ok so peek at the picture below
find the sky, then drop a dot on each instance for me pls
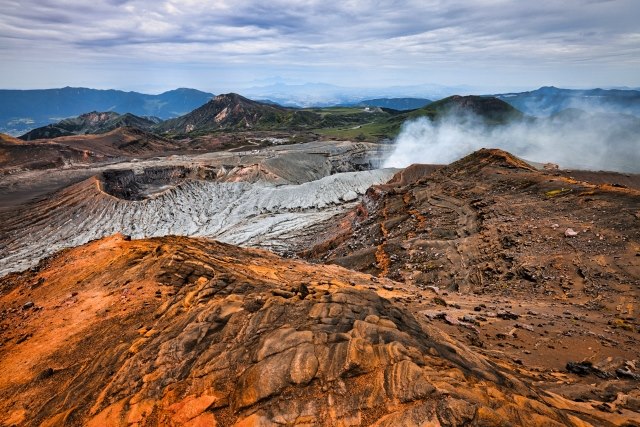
(225, 45)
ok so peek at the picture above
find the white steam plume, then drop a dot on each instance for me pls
(575, 140)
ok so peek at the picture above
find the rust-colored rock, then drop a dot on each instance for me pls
(487, 235)
(127, 347)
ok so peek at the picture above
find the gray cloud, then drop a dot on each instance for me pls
(431, 37)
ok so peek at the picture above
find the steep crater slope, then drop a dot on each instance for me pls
(178, 331)
(128, 184)
(288, 167)
(278, 198)
(163, 202)
(34, 170)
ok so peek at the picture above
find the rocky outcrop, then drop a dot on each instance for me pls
(177, 331)
(477, 224)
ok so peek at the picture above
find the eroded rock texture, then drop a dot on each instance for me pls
(490, 224)
(278, 198)
(537, 268)
(252, 214)
(178, 331)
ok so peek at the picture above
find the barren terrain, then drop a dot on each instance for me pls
(177, 331)
(485, 292)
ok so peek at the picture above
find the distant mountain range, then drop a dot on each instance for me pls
(549, 100)
(23, 110)
(97, 136)
(326, 95)
(186, 110)
(233, 112)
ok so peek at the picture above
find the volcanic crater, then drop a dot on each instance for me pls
(484, 292)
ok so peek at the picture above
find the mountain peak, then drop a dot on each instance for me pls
(549, 90)
(227, 111)
(488, 108)
(474, 102)
(232, 97)
(97, 116)
(487, 157)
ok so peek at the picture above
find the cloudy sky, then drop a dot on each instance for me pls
(220, 45)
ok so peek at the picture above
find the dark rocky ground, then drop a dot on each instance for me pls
(537, 269)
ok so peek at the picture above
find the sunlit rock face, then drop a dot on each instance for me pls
(179, 331)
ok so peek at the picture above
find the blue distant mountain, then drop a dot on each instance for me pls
(23, 110)
(550, 100)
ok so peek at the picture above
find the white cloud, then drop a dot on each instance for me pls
(428, 37)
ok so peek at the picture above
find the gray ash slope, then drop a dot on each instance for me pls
(280, 200)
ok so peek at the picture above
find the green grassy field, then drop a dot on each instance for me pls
(372, 132)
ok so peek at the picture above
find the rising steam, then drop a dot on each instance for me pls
(572, 139)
